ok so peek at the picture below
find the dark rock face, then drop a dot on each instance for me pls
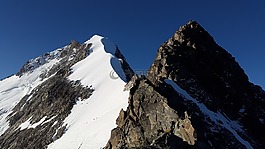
(193, 60)
(150, 121)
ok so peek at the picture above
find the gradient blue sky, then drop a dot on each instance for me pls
(30, 28)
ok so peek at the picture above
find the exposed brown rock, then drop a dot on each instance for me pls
(149, 121)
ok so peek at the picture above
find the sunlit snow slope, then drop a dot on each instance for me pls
(90, 123)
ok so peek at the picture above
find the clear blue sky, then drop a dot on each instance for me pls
(29, 28)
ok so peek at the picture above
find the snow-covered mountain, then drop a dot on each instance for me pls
(76, 91)
(86, 96)
(91, 120)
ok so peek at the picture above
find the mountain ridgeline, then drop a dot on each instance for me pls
(195, 95)
(225, 109)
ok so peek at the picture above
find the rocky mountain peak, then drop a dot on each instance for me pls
(75, 44)
(192, 48)
(192, 24)
(211, 75)
(193, 35)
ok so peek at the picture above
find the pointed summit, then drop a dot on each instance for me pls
(191, 24)
(193, 34)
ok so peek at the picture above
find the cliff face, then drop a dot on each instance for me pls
(194, 75)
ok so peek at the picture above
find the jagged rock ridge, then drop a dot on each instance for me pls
(226, 110)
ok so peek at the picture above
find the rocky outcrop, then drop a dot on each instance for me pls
(150, 121)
